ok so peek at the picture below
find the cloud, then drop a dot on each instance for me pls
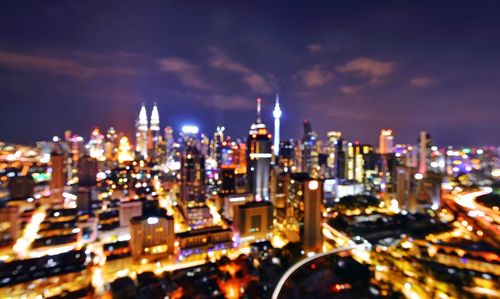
(229, 102)
(367, 67)
(57, 66)
(314, 48)
(348, 90)
(218, 59)
(187, 72)
(316, 76)
(422, 82)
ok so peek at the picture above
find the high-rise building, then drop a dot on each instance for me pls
(310, 154)
(192, 175)
(152, 235)
(277, 115)
(58, 175)
(259, 158)
(333, 137)
(228, 178)
(304, 209)
(141, 135)
(154, 133)
(424, 151)
(96, 145)
(111, 145)
(386, 142)
(313, 224)
(253, 221)
(355, 162)
(406, 188)
(216, 146)
(87, 171)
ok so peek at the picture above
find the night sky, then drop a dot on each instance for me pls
(353, 66)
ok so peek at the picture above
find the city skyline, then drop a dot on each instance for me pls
(355, 69)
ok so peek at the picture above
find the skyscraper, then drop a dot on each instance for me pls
(331, 151)
(309, 150)
(386, 142)
(192, 176)
(58, 175)
(141, 135)
(312, 237)
(277, 116)
(154, 132)
(424, 150)
(259, 158)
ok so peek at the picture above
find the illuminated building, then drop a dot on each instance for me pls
(386, 149)
(231, 201)
(192, 176)
(424, 151)
(277, 115)
(333, 138)
(96, 145)
(355, 162)
(9, 225)
(429, 190)
(279, 191)
(124, 151)
(21, 187)
(204, 241)
(304, 210)
(253, 221)
(386, 142)
(169, 141)
(228, 178)
(152, 236)
(57, 176)
(309, 150)
(311, 235)
(406, 188)
(217, 143)
(259, 158)
(154, 133)
(189, 135)
(286, 158)
(110, 148)
(141, 135)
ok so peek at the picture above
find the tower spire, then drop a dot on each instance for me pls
(277, 116)
(259, 100)
(155, 118)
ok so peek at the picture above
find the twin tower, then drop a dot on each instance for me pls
(147, 137)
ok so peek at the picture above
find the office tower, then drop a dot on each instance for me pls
(204, 145)
(253, 221)
(110, 148)
(189, 136)
(9, 225)
(241, 158)
(279, 191)
(124, 151)
(424, 151)
(307, 147)
(355, 162)
(154, 133)
(277, 115)
(87, 171)
(406, 188)
(304, 209)
(152, 235)
(96, 145)
(192, 175)
(169, 141)
(287, 156)
(340, 160)
(216, 146)
(312, 237)
(429, 189)
(21, 187)
(386, 142)
(259, 158)
(333, 138)
(228, 178)
(141, 135)
(58, 175)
